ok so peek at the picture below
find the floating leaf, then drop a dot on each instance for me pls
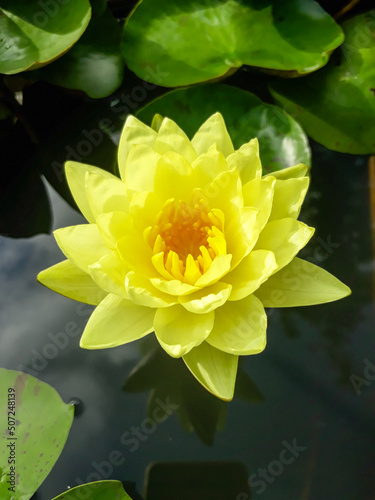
(282, 141)
(179, 43)
(35, 33)
(100, 490)
(41, 428)
(336, 105)
(94, 64)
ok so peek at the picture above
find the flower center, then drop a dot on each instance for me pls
(185, 239)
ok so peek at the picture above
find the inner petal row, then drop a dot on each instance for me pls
(186, 238)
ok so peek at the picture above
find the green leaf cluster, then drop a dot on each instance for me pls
(72, 70)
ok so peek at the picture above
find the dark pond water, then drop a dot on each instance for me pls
(297, 429)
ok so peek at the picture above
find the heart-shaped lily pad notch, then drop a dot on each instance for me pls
(282, 141)
(35, 33)
(336, 105)
(35, 423)
(179, 43)
(99, 490)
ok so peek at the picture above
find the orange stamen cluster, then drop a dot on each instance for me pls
(185, 239)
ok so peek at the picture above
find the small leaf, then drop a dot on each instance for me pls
(41, 428)
(282, 141)
(179, 43)
(100, 490)
(336, 105)
(35, 33)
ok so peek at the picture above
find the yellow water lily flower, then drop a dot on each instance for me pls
(192, 242)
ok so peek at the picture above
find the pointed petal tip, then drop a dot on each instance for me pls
(131, 120)
(157, 122)
(224, 396)
(346, 291)
(40, 277)
(90, 347)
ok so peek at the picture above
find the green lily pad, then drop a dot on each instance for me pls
(336, 105)
(41, 426)
(99, 490)
(94, 64)
(179, 43)
(35, 33)
(282, 140)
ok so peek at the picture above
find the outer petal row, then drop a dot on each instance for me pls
(215, 370)
(301, 283)
(285, 238)
(76, 177)
(178, 330)
(65, 278)
(81, 244)
(240, 327)
(116, 321)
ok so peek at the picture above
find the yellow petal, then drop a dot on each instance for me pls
(298, 170)
(247, 161)
(140, 167)
(219, 267)
(65, 278)
(137, 255)
(259, 193)
(156, 122)
(242, 233)
(143, 293)
(208, 166)
(178, 330)
(158, 262)
(223, 193)
(285, 238)
(116, 321)
(173, 287)
(114, 226)
(213, 131)
(172, 138)
(207, 299)
(240, 327)
(251, 273)
(109, 274)
(143, 209)
(81, 244)
(288, 197)
(192, 271)
(76, 177)
(173, 177)
(301, 283)
(134, 132)
(215, 370)
(106, 194)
